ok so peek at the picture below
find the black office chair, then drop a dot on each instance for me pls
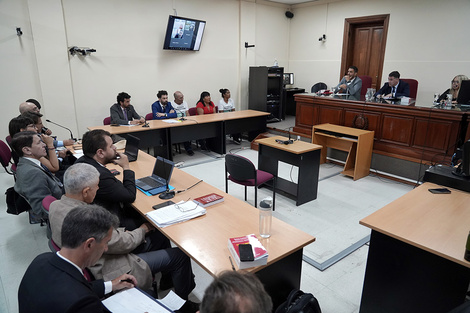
(241, 171)
(318, 86)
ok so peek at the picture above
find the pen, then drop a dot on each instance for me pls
(127, 280)
(233, 267)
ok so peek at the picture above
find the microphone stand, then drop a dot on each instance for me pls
(71, 135)
(167, 194)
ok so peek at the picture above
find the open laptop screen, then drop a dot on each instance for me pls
(163, 168)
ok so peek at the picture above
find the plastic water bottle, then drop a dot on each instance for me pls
(265, 217)
(276, 64)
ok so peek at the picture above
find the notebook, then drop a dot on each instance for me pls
(132, 147)
(161, 174)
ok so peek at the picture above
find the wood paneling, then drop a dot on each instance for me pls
(406, 132)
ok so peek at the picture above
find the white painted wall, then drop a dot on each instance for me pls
(128, 36)
(426, 41)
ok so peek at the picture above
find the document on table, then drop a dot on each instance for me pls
(134, 301)
(170, 121)
(176, 213)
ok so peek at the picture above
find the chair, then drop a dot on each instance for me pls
(5, 157)
(318, 86)
(241, 171)
(413, 86)
(149, 117)
(107, 120)
(192, 111)
(366, 83)
(46, 203)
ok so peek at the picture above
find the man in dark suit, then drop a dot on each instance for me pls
(394, 88)
(34, 181)
(54, 282)
(114, 195)
(123, 112)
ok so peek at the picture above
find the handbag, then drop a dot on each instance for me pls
(16, 204)
(299, 302)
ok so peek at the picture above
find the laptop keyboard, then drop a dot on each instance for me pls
(151, 182)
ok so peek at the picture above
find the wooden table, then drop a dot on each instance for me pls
(406, 132)
(160, 135)
(357, 142)
(415, 261)
(304, 155)
(205, 238)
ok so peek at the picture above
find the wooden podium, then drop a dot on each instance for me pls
(357, 142)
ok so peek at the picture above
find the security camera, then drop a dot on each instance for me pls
(322, 38)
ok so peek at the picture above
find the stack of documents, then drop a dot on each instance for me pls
(176, 213)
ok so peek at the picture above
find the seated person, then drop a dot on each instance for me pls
(350, 83)
(226, 105)
(34, 181)
(123, 112)
(128, 251)
(161, 108)
(28, 107)
(37, 118)
(454, 89)
(54, 282)
(16, 125)
(394, 88)
(236, 292)
(204, 106)
(114, 195)
(181, 108)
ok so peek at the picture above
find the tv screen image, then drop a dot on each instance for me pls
(183, 33)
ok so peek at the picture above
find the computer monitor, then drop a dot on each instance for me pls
(464, 93)
(288, 78)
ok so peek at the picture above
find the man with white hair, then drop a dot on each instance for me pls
(146, 258)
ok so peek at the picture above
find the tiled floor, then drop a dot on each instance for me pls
(333, 219)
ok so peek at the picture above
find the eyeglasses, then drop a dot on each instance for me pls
(186, 206)
(455, 82)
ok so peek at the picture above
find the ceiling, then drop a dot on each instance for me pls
(292, 1)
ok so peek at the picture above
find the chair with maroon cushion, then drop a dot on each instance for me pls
(413, 86)
(192, 111)
(366, 83)
(5, 158)
(149, 117)
(107, 120)
(46, 203)
(241, 171)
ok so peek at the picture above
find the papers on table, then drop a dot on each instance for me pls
(176, 213)
(170, 121)
(135, 301)
(78, 153)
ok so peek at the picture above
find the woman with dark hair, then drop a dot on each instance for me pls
(226, 105)
(205, 105)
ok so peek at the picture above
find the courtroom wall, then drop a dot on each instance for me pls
(128, 37)
(425, 41)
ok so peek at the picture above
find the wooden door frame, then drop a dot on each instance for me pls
(349, 23)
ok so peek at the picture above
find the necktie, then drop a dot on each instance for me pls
(393, 91)
(125, 114)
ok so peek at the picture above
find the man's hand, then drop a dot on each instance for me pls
(68, 142)
(160, 114)
(147, 227)
(48, 132)
(134, 122)
(172, 111)
(142, 120)
(123, 161)
(124, 281)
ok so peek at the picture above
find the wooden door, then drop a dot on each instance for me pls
(364, 46)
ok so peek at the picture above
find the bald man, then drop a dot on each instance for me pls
(28, 107)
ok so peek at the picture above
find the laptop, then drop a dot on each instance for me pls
(132, 147)
(161, 174)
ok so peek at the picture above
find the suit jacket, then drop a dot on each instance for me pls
(157, 108)
(112, 193)
(34, 184)
(354, 88)
(403, 90)
(53, 285)
(117, 117)
(117, 260)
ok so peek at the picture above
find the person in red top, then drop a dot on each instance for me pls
(205, 105)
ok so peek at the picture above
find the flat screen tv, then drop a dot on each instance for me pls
(183, 33)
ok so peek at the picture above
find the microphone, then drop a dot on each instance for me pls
(167, 194)
(71, 135)
(146, 124)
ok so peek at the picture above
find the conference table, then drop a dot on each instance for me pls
(161, 134)
(416, 255)
(205, 239)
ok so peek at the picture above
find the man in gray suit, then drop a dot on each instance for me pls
(350, 84)
(33, 181)
(128, 251)
(123, 113)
